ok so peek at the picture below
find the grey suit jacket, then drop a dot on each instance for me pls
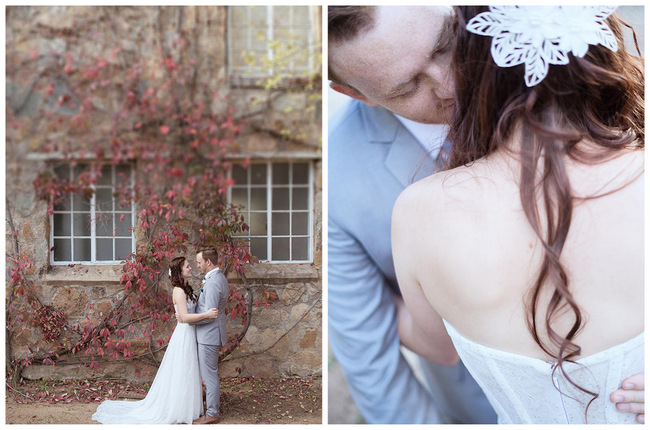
(372, 157)
(214, 294)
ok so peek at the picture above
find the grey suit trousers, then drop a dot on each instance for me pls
(208, 360)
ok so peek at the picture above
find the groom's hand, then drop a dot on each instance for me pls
(630, 397)
(178, 317)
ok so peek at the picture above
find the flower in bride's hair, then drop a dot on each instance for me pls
(541, 35)
(170, 272)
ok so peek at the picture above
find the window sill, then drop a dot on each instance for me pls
(280, 271)
(257, 81)
(84, 274)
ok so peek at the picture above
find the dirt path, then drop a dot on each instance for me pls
(43, 413)
(244, 401)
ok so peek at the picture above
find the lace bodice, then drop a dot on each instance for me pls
(521, 389)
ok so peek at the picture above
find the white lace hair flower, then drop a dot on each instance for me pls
(541, 35)
(170, 271)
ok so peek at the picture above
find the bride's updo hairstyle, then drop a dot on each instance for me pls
(176, 268)
(596, 99)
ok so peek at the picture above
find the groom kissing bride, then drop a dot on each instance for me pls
(404, 67)
(192, 354)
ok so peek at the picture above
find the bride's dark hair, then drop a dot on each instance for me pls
(598, 98)
(176, 267)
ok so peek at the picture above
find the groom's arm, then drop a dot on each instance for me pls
(210, 293)
(363, 334)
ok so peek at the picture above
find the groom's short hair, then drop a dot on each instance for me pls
(344, 23)
(209, 253)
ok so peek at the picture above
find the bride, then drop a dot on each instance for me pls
(528, 253)
(175, 395)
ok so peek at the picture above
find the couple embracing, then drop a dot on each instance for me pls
(192, 354)
(514, 263)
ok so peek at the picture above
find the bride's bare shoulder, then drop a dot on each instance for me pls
(447, 192)
(178, 293)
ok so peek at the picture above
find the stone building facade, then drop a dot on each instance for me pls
(281, 138)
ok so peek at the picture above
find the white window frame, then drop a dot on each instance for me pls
(269, 35)
(93, 236)
(269, 208)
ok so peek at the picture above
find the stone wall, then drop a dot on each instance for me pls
(289, 331)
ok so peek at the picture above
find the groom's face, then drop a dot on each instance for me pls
(402, 63)
(201, 263)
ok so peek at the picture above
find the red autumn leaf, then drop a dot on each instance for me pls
(91, 73)
(170, 64)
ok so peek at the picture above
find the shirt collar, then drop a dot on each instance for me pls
(430, 136)
(216, 269)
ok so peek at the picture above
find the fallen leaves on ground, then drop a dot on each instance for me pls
(244, 400)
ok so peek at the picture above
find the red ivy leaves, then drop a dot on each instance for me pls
(180, 187)
(51, 322)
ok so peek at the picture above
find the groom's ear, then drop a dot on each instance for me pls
(351, 92)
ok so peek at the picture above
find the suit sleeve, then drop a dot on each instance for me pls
(211, 297)
(363, 334)
(213, 294)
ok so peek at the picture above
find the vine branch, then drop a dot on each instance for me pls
(283, 335)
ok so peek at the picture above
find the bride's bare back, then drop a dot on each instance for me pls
(463, 237)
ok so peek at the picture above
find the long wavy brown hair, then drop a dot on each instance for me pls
(177, 280)
(598, 98)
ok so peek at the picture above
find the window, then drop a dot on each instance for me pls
(278, 206)
(93, 227)
(269, 40)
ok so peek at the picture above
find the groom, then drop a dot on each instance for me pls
(395, 63)
(211, 333)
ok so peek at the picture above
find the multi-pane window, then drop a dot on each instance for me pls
(278, 207)
(93, 226)
(270, 40)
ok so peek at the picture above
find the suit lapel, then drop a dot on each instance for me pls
(203, 281)
(406, 159)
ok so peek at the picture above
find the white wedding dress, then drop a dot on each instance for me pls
(175, 395)
(521, 388)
